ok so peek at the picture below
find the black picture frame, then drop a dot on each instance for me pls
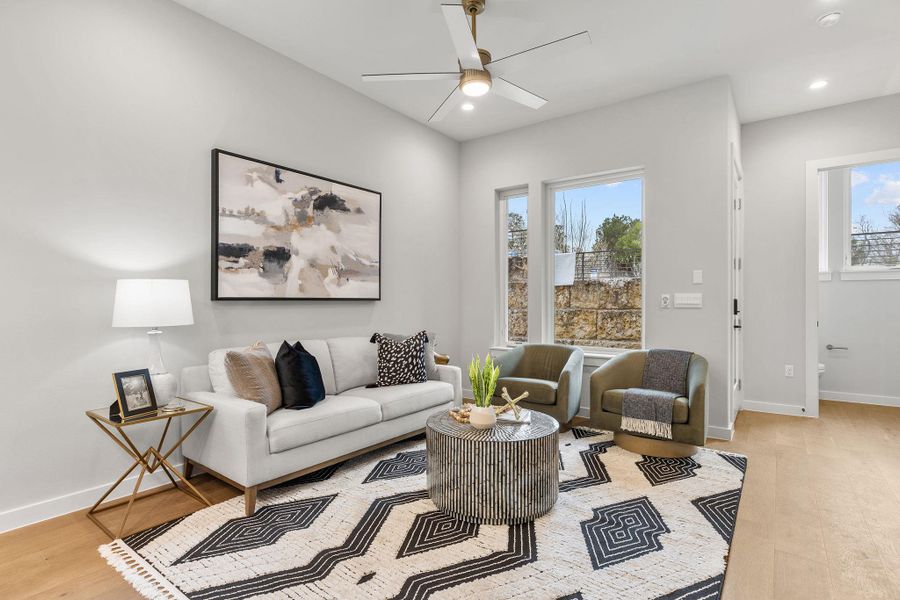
(128, 385)
(216, 153)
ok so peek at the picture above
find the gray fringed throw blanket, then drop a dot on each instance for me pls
(648, 409)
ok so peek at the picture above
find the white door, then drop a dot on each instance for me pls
(737, 286)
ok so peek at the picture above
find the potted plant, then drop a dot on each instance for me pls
(484, 380)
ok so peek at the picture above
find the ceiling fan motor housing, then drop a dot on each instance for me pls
(473, 6)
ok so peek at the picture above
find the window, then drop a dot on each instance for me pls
(873, 217)
(597, 252)
(513, 209)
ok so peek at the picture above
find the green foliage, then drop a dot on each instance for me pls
(484, 379)
(621, 235)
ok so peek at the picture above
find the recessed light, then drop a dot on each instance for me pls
(818, 85)
(468, 106)
(829, 19)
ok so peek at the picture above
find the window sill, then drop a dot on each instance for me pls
(869, 274)
(591, 359)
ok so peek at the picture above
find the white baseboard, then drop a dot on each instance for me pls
(860, 398)
(720, 433)
(80, 500)
(774, 408)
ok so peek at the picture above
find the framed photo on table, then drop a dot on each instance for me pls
(134, 393)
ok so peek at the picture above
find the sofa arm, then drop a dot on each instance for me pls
(453, 376)
(232, 441)
(568, 388)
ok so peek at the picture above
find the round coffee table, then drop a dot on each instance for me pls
(504, 475)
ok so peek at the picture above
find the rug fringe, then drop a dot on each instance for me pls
(146, 580)
(648, 427)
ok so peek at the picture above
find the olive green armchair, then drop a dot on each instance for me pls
(608, 385)
(550, 373)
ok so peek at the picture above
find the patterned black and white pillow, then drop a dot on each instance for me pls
(401, 362)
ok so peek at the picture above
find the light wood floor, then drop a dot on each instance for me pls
(819, 517)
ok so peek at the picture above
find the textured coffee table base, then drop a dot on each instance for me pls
(505, 475)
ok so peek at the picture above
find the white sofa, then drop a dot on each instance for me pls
(241, 445)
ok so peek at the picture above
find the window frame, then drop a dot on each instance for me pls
(850, 271)
(549, 293)
(501, 333)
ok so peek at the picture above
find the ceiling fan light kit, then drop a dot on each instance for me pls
(475, 83)
(478, 73)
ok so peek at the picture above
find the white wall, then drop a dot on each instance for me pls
(681, 138)
(775, 154)
(861, 315)
(108, 113)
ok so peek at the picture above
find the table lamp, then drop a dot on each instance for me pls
(154, 303)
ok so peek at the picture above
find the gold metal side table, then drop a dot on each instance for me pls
(150, 460)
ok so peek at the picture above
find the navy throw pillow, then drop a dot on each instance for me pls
(299, 377)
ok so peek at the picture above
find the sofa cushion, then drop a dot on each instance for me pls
(399, 400)
(299, 377)
(401, 362)
(540, 391)
(355, 362)
(318, 348)
(332, 416)
(430, 364)
(612, 402)
(252, 374)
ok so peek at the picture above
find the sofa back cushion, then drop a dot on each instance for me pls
(355, 362)
(318, 348)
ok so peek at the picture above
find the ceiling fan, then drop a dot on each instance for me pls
(478, 73)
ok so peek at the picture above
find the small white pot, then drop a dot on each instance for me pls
(482, 417)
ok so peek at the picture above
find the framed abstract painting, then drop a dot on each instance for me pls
(281, 234)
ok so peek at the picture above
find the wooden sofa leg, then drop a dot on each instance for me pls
(250, 501)
(188, 469)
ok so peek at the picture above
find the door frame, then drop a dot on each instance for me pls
(811, 264)
(735, 283)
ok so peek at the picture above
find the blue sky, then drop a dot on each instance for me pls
(875, 191)
(601, 201)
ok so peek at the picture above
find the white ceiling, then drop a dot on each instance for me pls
(771, 49)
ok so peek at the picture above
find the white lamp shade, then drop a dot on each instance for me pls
(152, 303)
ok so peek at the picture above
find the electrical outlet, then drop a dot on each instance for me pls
(788, 370)
(665, 301)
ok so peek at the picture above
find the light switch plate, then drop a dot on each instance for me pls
(688, 300)
(698, 276)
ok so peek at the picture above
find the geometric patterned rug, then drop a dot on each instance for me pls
(625, 526)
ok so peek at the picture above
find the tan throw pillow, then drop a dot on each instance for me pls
(252, 375)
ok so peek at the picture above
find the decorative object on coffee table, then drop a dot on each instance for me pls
(149, 460)
(513, 403)
(154, 303)
(506, 474)
(484, 381)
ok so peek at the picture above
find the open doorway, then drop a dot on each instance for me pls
(853, 283)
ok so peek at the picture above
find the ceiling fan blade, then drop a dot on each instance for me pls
(449, 103)
(458, 24)
(526, 58)
(513, 92)
(411, 76)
